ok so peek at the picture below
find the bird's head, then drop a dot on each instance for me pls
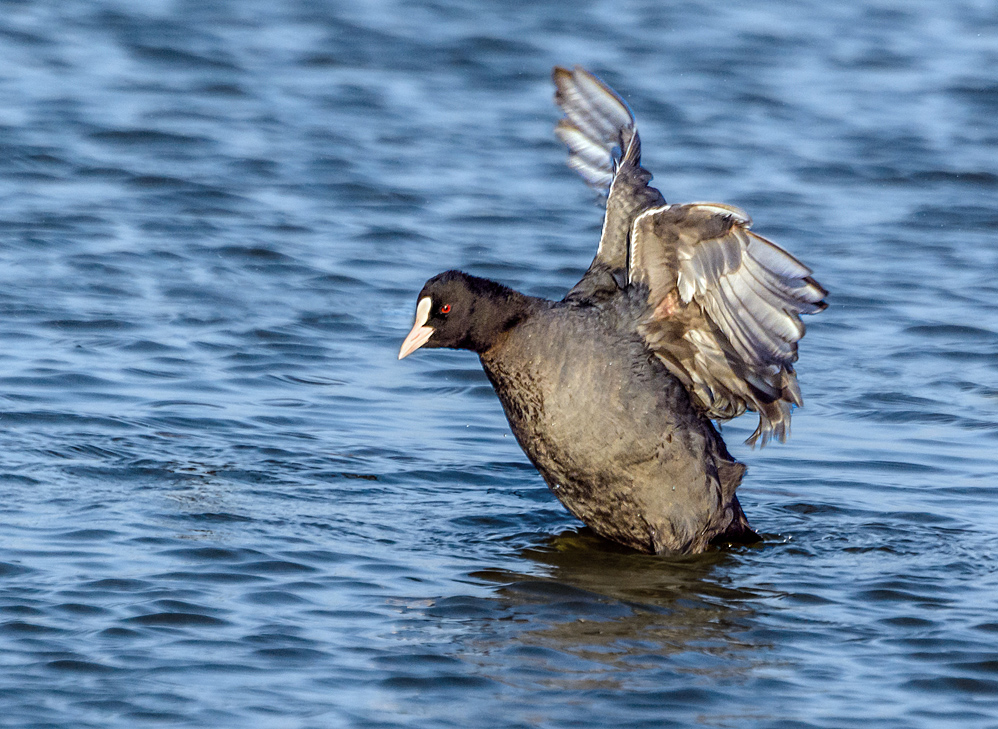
(459, 311)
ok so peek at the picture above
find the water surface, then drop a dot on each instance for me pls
(226, 504)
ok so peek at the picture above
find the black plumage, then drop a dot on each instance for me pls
(683, 316)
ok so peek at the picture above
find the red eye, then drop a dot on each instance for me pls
(445, 309)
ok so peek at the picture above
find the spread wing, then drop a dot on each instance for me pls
(724, 310)
(604, 148)
(724, 304)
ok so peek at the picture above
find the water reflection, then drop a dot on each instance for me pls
(595, 613)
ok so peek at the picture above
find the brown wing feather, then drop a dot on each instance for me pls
(605, 149)
(724, 310)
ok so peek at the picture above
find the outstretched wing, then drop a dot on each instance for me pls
(724, 303)
(604, 148)
(724, 310)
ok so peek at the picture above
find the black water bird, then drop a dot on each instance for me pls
(684, 316)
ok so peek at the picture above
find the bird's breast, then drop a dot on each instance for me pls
(580, 397)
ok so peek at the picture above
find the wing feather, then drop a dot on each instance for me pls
(768, 309)
(611, 112)
(597, 125)
(767, 346)
(584, 147)
(605, 149)
(738, 298)
(592, 174)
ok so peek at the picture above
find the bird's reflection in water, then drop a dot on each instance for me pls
(596, 614)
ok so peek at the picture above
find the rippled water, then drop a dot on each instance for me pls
(225, 503)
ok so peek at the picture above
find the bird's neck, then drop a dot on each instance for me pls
(498, 309)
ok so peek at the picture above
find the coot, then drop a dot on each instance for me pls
(685, 316)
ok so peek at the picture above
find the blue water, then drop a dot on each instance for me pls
(226, 504)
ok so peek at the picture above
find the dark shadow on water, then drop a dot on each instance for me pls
(582, 560)
(594, 611)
